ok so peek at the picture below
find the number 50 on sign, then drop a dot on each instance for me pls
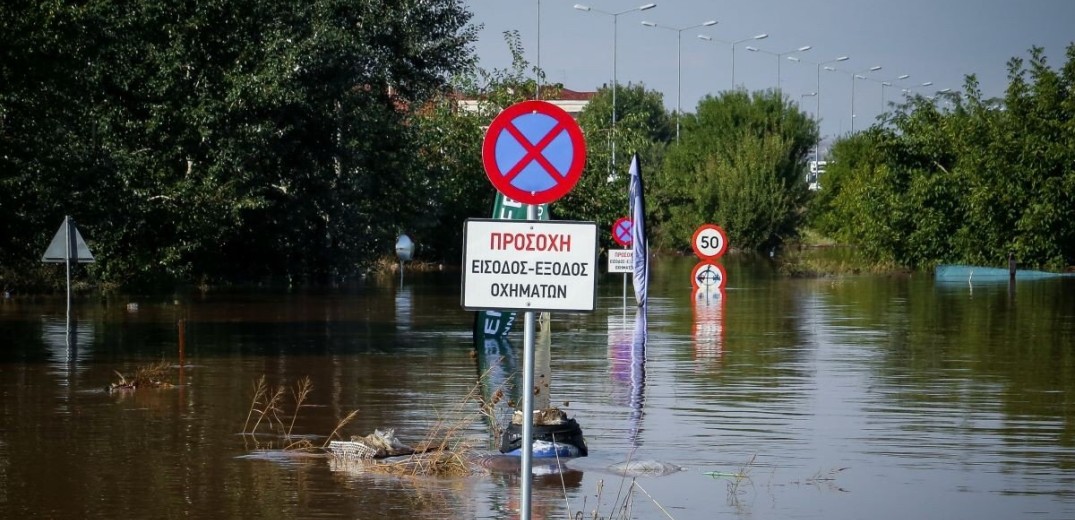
(709, 242)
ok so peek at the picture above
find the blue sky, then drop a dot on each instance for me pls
(938, 41)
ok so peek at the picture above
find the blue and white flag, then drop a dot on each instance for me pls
(638, 232)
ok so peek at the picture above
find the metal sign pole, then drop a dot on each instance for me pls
(528, 401)
(71, 248)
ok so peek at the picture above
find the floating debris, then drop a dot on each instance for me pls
(149, 376)
(644, 468)
(377, 445)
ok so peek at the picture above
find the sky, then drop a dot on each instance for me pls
(938, 41)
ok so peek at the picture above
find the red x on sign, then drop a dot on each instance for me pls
(621, 232)
(534, 152)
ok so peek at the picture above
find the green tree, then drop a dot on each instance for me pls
(643, 126)
(221, 140)
(451, 129)
(970, 183)
(740, 164)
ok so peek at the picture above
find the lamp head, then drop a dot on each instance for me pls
(581, 7)
(646, 7)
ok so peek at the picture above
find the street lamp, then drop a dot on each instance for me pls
(854, 76)
(817, 112)
(920, 85)
(737, 42)
(615, 23)
(537, 88)
(888, 83)
(779, 55)
(812, 178)
(679, 60)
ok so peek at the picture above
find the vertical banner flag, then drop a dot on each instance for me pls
(638, 232)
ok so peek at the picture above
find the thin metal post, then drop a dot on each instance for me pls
(733, 65)
(537, 91)
(852, 102)
(817, 115)
(526, 471)
(67, 261)
(615, 38)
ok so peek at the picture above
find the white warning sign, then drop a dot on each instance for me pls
(528, 265)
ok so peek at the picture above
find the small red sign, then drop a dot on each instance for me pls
(621, 232)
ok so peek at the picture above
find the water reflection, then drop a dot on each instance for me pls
(708, 308)
(627, 360)
(68, 344)
(941, 401)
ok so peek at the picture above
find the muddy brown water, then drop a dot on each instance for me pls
(879, 397)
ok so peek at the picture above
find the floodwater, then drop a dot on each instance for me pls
(828, 399)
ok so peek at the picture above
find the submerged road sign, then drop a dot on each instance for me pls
(534, 152)
(708, 275)
(529, 265)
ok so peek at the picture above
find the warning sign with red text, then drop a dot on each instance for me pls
(529, 265)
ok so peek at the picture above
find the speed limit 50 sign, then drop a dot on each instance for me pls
(709, 241)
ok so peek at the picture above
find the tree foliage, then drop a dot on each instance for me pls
(642, 126)
(962, 178)
(238, 139)
(739, 163)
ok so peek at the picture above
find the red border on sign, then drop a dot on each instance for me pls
(703, 263)
(723, 241)
(616, 236)
(564, 182)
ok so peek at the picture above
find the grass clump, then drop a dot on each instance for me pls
(145, 376)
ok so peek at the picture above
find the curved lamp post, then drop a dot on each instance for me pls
(679, 60)
(890, 83)
(854, 76)
(761, 36)
(817, 112)
(780, 55)
(615, 23)
(920, 85)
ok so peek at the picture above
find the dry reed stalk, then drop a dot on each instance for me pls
(350, 417)
(260, 390)
(301, 391)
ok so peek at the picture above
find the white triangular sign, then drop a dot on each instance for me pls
(58, 249)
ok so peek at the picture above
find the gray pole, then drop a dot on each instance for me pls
(526, 471)
(537, 91)
(679, 79)
(817, 115)
(852, 102)
(615, 33)
(733, 65)
(71, 247)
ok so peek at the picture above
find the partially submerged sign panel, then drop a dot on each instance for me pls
(67, 244)
(529, 265)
